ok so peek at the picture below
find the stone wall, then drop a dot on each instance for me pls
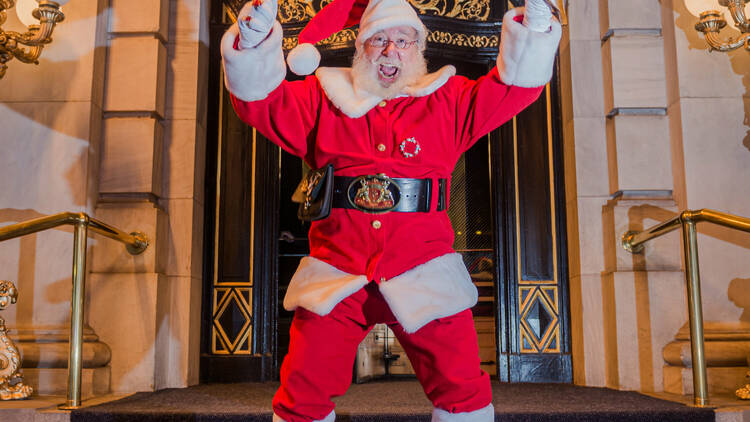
(653, 124)
(112, 123)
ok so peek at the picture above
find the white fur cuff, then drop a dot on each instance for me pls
(485, 414)
(251, 74)
(526, 57)
(438, 288)
(330, 418)
(318, 286)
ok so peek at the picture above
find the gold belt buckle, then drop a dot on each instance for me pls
(375, 194)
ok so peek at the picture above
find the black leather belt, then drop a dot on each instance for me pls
(379, 194)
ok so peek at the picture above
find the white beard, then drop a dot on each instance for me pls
(365, 74)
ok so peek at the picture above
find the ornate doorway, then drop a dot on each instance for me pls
(507, 211)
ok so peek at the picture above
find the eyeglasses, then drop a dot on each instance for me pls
(382, 42)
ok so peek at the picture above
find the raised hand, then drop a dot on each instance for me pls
(538, 14)
(255, 21)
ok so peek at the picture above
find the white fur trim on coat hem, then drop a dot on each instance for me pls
(330, 418)
(526, 57)
(485, 414)
(251, 74)
(438, 288)
(318, 286)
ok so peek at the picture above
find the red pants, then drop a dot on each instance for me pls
(444, 354)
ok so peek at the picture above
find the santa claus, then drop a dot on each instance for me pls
(393, 132)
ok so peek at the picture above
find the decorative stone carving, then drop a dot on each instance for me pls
(744, 392)
(11, 381)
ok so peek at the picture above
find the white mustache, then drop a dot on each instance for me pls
(387, 62)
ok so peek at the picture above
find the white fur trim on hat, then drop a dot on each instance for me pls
(438, 288)
(526, 57)
(251, 74)
(384, 14)
(303, 59)
(485, 414)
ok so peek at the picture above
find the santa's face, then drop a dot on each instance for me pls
(390, 51)
(388, 61)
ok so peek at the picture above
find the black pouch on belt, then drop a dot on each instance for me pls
(314, 194)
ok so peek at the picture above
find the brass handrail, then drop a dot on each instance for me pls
(633, 241)
(135, 243)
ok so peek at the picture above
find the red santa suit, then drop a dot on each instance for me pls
(421, 286)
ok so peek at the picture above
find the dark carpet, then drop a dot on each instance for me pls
(393, 401)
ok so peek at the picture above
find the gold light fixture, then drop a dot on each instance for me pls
(712, 21)
(27, 46)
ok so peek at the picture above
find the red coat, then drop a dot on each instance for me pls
(446, 118)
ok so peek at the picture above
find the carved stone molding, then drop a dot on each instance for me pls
(458, 25)
(348, 36)
(464, 40)
(297, 11)
(727, 347)
(339, 39)
(472, 10)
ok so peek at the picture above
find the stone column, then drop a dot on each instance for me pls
(644, 294)
(183, 191)
(148, 307)
(620, 177)
(586, 185)
(124, 291)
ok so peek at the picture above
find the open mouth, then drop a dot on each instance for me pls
(388, 72)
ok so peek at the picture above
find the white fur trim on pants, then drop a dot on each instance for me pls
(526, 57)
(330, 418)
(438, 288)
(318, 286)
(485, 414)
(251, 74)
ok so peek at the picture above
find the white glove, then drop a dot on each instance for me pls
(538, 15)
(255, 21)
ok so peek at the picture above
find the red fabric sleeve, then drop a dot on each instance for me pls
(287, 116)
(485, 104)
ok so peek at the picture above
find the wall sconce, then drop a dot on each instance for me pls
(27, 47)
(712, 21)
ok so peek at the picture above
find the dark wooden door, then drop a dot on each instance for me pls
(507, 208)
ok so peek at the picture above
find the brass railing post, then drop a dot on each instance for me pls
(75, 358)
(695, 311)
(633, 241)
(135, 243)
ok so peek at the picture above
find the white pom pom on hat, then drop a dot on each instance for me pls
(371, 15)
(303, 59)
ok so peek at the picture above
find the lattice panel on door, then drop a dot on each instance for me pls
(233, 321)
(540, 319)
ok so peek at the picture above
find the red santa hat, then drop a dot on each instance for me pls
(373, 16)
